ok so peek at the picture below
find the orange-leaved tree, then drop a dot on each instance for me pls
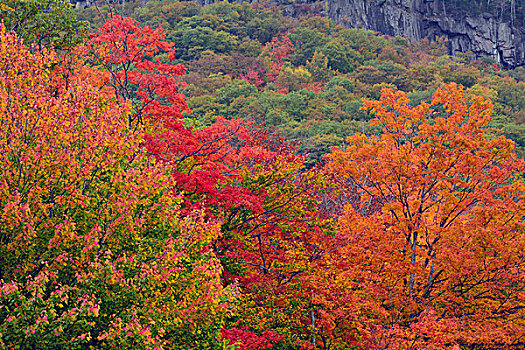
(433, 230)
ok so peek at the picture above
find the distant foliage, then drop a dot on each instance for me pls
(44, 22)
(230, 40)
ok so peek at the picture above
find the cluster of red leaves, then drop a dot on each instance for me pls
(277, 50)
(210, 162)
(248, 340)
(253, 77)
(140, 62)
(275, 54)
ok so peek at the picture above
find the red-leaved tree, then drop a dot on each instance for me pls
(210, 162)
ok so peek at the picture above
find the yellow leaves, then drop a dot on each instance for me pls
(4, 7)
(4, 42)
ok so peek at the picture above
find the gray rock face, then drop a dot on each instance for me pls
(482, 34)
(80, 4)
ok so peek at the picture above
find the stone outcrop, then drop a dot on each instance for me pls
(80, 4)
(483, 34)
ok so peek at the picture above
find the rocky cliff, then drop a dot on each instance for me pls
(486, 34)
(88, 3)
(80, 4)
(482, 33)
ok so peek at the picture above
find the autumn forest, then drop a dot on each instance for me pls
(178, 176)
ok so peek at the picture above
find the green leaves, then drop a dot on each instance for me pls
(93, 248)
(44, 22)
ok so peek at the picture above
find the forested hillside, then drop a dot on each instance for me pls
(306, 78)
(225, 177)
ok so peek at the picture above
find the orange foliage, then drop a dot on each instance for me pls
(433, 233)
